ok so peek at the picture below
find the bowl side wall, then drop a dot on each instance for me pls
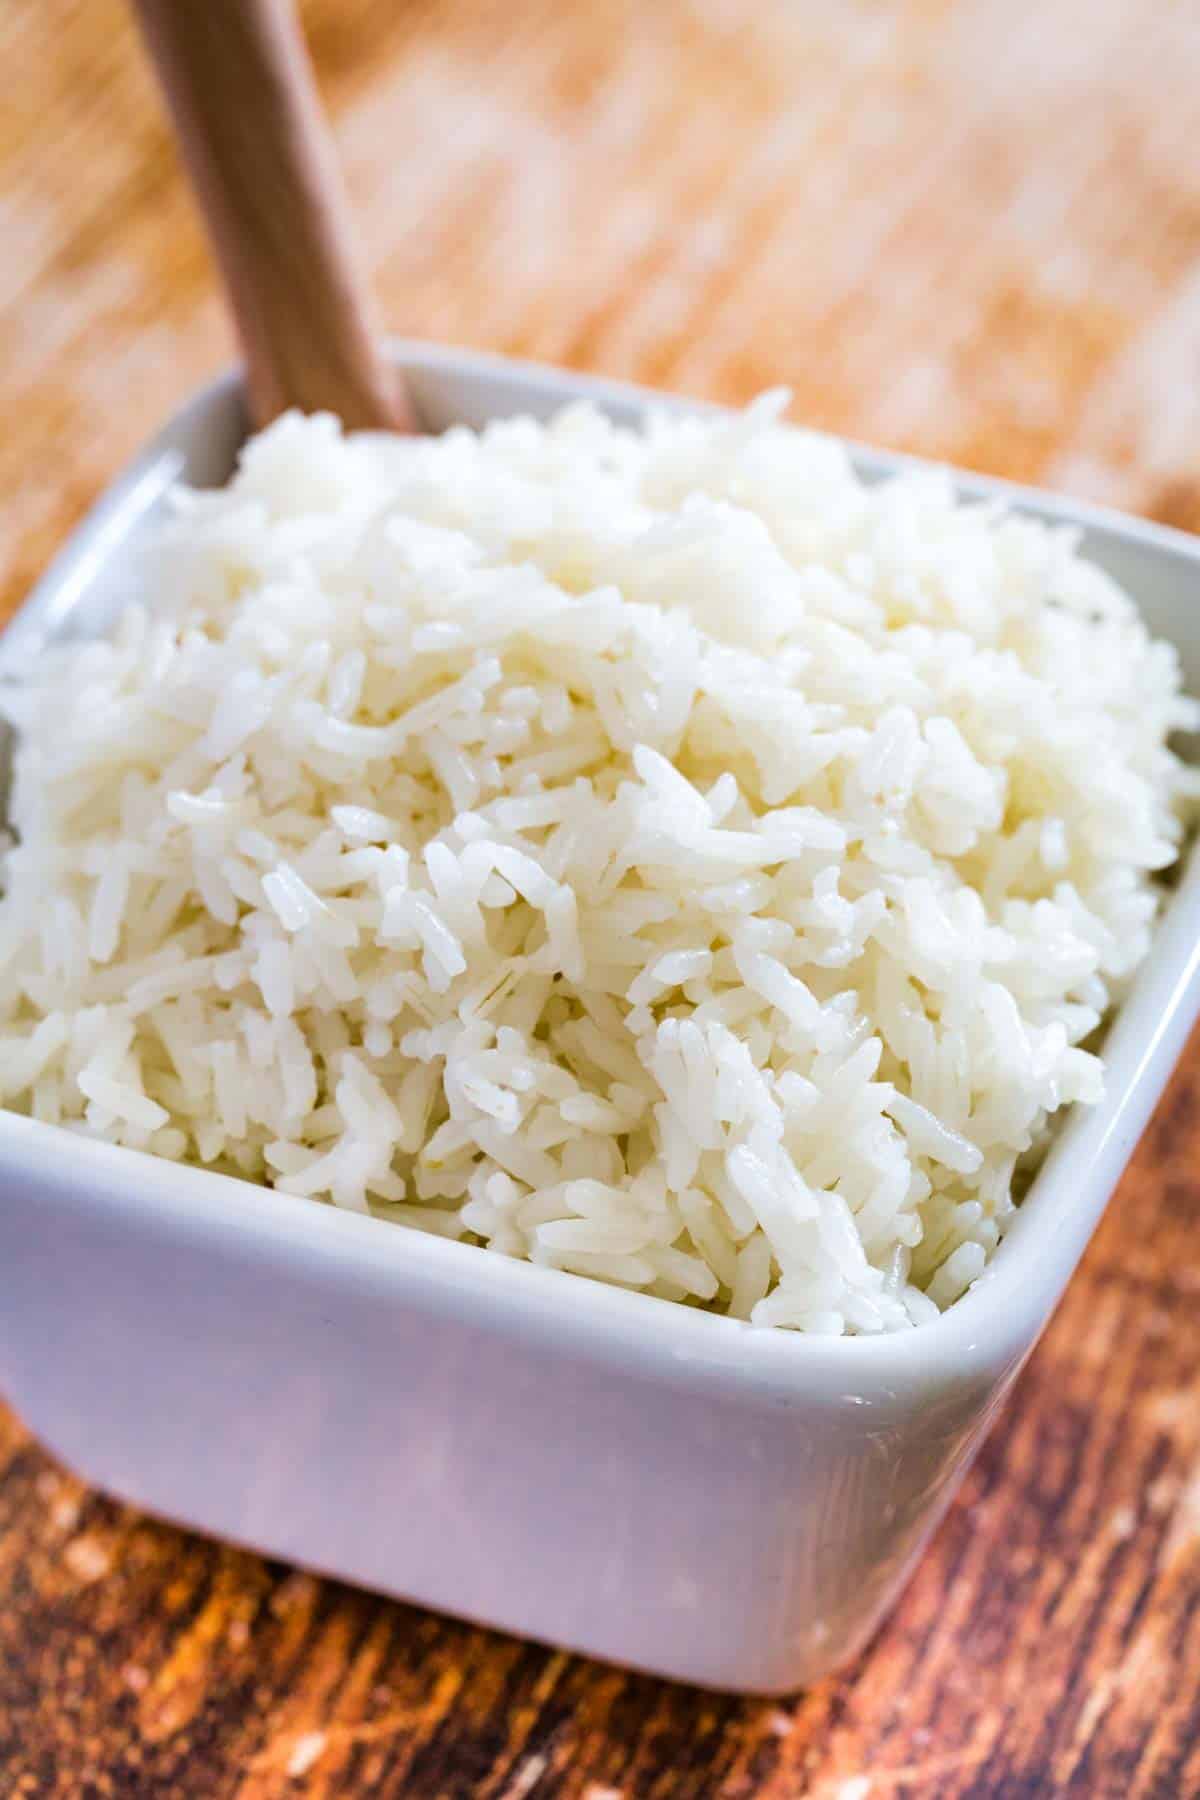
(732, 1540)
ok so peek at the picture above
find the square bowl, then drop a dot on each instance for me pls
(605, 1471)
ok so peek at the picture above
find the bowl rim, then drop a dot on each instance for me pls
(990, 1328)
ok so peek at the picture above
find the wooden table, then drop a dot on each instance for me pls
(970, 229)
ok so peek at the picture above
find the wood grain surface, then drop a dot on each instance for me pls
(971, 229)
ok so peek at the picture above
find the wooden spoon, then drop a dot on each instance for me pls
(261, 160)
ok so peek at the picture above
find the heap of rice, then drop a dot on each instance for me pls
(655, 855)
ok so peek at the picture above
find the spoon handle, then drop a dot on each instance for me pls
(261, 160)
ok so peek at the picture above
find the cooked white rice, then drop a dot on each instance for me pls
(656, 856)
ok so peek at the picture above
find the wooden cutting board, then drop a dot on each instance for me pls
(967, 229)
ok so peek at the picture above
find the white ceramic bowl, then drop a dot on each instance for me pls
(591, 1467)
